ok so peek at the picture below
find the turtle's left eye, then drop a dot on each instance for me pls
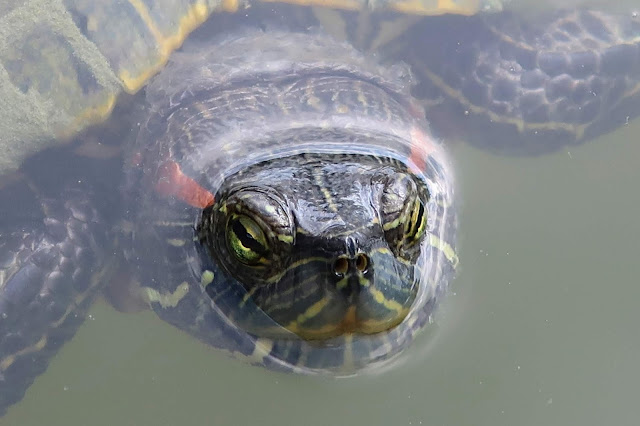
(415, 223)
(246, 239)
(404, 215)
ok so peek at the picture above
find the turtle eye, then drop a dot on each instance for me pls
(415, 223)
(404, 216)
(246, 239)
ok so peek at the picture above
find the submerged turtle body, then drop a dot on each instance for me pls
(283, 198)
(64, 63)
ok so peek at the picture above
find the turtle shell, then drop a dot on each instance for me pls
(64, 63)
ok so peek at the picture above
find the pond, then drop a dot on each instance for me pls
(539, 327)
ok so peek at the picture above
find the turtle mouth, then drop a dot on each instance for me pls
(331, 317)
(349, 324)
(366, 299)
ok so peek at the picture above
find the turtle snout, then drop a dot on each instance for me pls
(350, 269)
(351, 265)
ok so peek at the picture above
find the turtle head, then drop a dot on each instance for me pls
(322, 245)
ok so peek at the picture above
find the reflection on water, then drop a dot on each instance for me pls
(539, 327)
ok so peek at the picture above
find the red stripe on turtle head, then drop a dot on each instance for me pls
(171, 181)
(421, 147)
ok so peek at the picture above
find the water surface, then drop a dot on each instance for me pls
(539, 328)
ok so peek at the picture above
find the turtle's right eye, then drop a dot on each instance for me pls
(415, 223)
(246, 240)
(403, 213)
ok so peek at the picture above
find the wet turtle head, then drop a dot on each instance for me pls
(320, 245)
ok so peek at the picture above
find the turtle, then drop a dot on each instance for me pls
(283, 194)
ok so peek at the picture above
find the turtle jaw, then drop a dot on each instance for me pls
(323, 303)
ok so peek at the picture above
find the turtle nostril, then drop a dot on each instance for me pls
(341, 266)
(362, 262)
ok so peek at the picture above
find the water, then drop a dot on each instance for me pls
(540, 326)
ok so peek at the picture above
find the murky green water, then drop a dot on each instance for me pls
(540, 327)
